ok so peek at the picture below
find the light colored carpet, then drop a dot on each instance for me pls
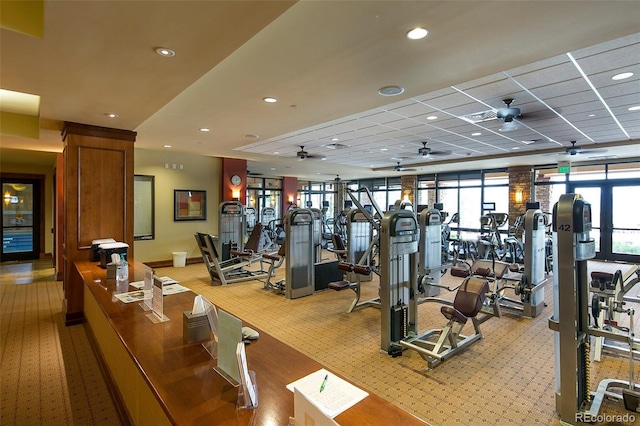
(50, 375)
(507, 378)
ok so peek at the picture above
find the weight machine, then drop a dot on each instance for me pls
(430, 253)
(610, 282)
(231, 226)
(570, 322)
(529, 284)
(300, 272)
(356, 258)
(398, 274)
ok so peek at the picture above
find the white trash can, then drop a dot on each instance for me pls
(179, 259)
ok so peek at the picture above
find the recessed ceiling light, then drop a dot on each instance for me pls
(166, 146)
(276, 152)
(384, 149)
(634, 108)
(163, 51)
(270, 100)
(249, 136)
(516, 147)
(592, 115)
(476, 134)
(432, 117)
(417, 33)
(335, 139)
(622, 76)
(111, 115)
(273, 169)
(390, 90)
(204, 129)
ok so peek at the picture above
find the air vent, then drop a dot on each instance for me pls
(478, 117)
(337, 146)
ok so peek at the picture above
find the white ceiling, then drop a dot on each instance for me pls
(325, 61)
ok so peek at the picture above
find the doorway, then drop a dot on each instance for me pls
(21, 218)
(615, 221)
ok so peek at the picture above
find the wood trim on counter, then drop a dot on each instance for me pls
(162, 380)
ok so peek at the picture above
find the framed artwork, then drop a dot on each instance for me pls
(189, 205)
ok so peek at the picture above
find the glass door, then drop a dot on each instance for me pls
(615, 222)
(625, 223)
(20, 219)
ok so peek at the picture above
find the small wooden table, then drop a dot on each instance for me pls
(158, 379)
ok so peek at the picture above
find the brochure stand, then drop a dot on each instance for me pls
(212, 316)
(157, 316)
(245, 400)
(248, 389)
(146, 304)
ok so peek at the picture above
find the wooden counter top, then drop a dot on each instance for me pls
(182, 378)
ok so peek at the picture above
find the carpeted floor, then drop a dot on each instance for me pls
(50, 376)
(49, 372)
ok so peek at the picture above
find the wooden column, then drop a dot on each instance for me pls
(98, 200)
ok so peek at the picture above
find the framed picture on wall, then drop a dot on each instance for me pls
(189, 205)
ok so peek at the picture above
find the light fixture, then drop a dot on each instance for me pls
(111, 115)
(163, 51)
(516, 147)
(276, 152)
(432, 117)
(235, 194)
(634, 108)
(509, 126)
(335, 139)
(622, 76)
(204, 129)
(390, 90)
(290, 199)
(270, 100)
(518, 196)
(417, 33)
(476, 134)
(250, 136)
(166, 146)
(7, 197)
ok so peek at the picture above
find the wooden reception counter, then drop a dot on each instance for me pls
(157, 379)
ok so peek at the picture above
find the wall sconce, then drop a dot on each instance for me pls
(290, 199)
(235, 194)
(518, 197)
(7, 198)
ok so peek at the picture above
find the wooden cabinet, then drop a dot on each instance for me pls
(98, 199)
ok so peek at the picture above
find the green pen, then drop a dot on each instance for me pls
(324, 382)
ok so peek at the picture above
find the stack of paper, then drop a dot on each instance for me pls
(331, 394)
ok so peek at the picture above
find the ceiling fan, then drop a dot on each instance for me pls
(303, 155)
(399, 168)
(426, 152)
(507, 115)
(575, 150)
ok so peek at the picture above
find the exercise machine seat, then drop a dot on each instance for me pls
(468, 301)
(277, 256)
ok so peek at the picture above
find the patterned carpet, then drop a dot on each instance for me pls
(50, 376)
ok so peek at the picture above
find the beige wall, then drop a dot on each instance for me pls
(47, 171)
(198, 173)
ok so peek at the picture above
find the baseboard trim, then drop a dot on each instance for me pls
(169, 263)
